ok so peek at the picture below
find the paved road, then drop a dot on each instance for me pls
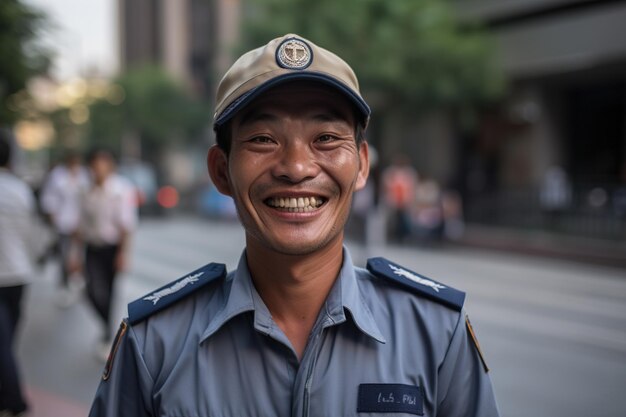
(554, 332)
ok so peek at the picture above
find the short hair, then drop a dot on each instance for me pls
(100, 151)
(5, 148)
(71, 155)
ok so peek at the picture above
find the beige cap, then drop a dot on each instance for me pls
(287, 58)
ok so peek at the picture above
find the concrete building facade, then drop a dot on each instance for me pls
(191, 39)
(553, 154)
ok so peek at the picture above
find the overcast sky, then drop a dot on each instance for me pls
(85, 35)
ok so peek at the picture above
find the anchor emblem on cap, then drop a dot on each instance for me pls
(294, 54)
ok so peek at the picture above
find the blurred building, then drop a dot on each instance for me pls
(553, 155)
(192, 39)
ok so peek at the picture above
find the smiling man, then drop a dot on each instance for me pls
(296, 329)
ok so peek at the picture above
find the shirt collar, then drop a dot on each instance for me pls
(241, 296)
(108, 182)
(238, 292)
(346, 295)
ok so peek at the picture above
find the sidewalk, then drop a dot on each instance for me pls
(55, 351)
(596, 251)
(46, 404)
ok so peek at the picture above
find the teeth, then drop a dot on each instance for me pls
(296, 205)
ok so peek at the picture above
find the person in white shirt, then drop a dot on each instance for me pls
(108, 217)
(60, 201)
(17, 213)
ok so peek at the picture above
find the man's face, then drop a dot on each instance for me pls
(101, 167)
(293, 166)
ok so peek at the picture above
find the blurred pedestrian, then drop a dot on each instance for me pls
(108, 217)
(427, 212)
(452, 205)
(296, 329)
(17, 215)
(60, 201)
(555, 194)
(399, 182)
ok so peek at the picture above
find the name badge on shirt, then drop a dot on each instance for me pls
(390, 398)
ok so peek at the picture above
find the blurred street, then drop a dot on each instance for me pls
(553, 332)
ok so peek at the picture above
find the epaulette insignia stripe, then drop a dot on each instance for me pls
(169, 294)
(415, 282)
(177, 286)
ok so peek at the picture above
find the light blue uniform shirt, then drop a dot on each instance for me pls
(376, 349)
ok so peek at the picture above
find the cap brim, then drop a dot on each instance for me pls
(247, 97)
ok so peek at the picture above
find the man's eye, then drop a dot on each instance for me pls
(261, 139)
(326, 138)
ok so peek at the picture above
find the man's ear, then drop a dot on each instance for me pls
(364, 166)
(217, 164)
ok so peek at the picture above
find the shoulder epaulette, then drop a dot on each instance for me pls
(415, 282)
(169, 294)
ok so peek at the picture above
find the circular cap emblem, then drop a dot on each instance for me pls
(294, 54)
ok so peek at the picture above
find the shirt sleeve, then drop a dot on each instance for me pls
(50, 195)
(126, 386)
(464, 387)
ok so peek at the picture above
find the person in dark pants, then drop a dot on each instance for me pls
(17, 211)
(11, 398)
(108, 216)
(101, 272)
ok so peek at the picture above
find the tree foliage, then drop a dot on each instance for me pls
(21, 57)
(409, 55)
(146, 102)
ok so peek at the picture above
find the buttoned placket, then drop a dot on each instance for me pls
(306, 370)
(306, 367)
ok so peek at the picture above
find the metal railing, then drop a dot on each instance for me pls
(585, 211)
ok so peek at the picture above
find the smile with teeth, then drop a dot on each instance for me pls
(295, 205)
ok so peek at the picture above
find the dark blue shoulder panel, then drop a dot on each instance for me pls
(168, 294)
(415, 282)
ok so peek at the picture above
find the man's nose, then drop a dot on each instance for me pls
(296, 163)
